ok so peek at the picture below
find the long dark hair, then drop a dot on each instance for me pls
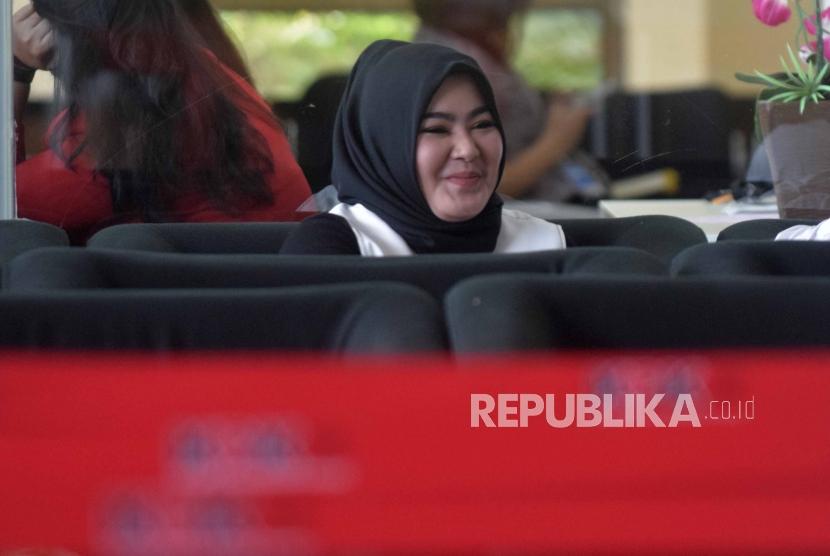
(162, 119)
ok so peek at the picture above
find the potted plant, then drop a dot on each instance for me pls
(792, 114)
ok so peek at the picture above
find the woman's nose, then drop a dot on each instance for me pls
(465, 147)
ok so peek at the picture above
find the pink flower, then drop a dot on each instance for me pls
(810, 22)
(809, 49)
(771, 12)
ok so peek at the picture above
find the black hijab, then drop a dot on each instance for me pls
(390, 88)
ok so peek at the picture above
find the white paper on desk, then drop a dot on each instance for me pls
(738, 207)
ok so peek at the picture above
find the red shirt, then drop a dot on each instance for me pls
(79, 200)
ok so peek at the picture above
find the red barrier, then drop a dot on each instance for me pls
(269, 454)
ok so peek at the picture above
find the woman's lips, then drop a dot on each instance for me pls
(464, 179)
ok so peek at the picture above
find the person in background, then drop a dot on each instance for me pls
(204, 19)
(804, 232)
(541, 134)
(418, 153)
(151, 126)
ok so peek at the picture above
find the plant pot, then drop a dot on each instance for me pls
(798, 148)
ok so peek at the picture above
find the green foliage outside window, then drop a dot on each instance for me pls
(561, 49)
(287, 51)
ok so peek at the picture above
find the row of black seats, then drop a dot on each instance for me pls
(602, 297)
(662, 236)
(74, 268)
(481, 314)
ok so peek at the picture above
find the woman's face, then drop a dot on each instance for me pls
(458, 151)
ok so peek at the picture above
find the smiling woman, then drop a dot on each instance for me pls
(418, 153)
(459, 151)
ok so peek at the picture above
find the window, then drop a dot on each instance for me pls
(559, 49)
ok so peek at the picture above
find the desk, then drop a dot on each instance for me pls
(710, 218)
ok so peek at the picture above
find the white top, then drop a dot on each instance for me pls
(819, 232)
(519, 233)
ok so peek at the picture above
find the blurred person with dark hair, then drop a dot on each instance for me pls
(151, 126)
(541, 136)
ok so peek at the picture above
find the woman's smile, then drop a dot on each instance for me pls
(464, 179)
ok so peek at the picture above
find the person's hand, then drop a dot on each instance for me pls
(32, 38)
(566, 122)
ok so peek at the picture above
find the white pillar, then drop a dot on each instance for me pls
(8, 208)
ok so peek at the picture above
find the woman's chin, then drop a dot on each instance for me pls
(460, 213)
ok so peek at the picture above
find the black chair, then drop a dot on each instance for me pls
(755, 258)
(19, 236)
(348, 318)
(99, 268)
(662, 236)
(315, 127)
(520, 312)
(189, 237)
(764, 228)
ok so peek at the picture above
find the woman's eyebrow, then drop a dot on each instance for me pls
(451, 117)
(438, 115)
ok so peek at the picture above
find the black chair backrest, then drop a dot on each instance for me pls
(189, 237)
(761, 229)
(662, 236)
(19, 236)
(100, 268)
(315, 128)
(345, 318)
(756, 258)
(518, 312)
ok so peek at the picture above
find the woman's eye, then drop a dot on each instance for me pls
(484, 124)
(434, 129)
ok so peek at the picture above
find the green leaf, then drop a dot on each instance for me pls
(796, 64)
(790, 74)
(783, 97)
(798, 83)
(769, 80)
(746, 78)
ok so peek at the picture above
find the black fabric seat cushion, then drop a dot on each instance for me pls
(521, 312)
(76, 268)
(349, 318)
(758, 258)
(189, 237)
(662, 236)
(19, 236)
